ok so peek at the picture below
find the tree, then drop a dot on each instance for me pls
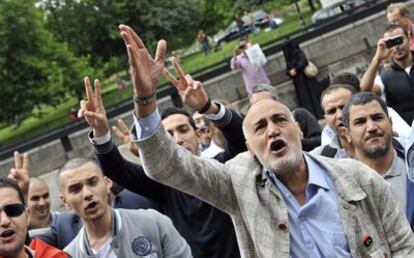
(90, 27)
(34, 67)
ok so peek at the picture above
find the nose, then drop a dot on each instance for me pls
(178, 139)
(371, 126)
(4, 219)
(339, 114)
(87, 193)
(42, 202)
(273, 130)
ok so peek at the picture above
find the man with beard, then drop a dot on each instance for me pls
(108, 232)
(283, 202)
(398, 13)
(396, 82)
(14, 221)
(369, 128)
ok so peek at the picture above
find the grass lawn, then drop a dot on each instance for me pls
(56, 117)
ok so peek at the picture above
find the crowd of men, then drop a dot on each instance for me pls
(215, 183)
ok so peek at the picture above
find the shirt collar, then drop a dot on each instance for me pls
(316, 173)
(393, 169)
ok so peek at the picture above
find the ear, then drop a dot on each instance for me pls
(249, 148)
(390, 118)
(28, 216)
(65, 203)
(108, 184)
(346, 133)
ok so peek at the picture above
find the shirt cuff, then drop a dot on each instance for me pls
(219, 115)
(103, 139)
(147, 126)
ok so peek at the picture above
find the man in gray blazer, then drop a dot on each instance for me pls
(284, 203)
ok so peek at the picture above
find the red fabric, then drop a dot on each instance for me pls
(43, 250)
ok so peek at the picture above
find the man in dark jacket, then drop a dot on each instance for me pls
(208, 231)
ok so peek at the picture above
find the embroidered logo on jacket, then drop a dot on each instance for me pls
(141, 246)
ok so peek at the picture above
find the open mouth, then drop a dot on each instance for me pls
(8, 233)
(91, 206)
(277, 145)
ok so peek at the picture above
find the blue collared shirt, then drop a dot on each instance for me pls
(315, 228)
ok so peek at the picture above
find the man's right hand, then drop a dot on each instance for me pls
(145, 70)
(20, 172)
(122, 132)
(382, 53)
(93, 109)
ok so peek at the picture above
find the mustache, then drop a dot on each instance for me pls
(373, 135)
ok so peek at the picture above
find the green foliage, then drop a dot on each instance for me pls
(91, 27)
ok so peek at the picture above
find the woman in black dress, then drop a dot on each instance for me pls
(308, 90)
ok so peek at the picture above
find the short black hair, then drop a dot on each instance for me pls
(173, 110)
(361, 98)
(76, 163)
(6, 182)
(335, 87)
(392, 27)
(348, 79)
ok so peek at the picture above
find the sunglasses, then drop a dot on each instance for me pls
(13, 210)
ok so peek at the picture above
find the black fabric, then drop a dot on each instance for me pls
(329, 151)
(399, 90)
(129, 200)
(209, 231)
(308, 90)
(310, 128)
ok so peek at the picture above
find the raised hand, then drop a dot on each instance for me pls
(20, 172)
(382, 53)
(145, 70)
(93, 109)
(192, 92)
(123, 134)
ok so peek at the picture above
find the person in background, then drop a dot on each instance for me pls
(240, 25)
(38, 201)
(398, 13)
(250, 21)
(252, 74)
(308, 90)
(203, 40)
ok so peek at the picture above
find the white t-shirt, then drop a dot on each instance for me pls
(378, 81)
(105, 251)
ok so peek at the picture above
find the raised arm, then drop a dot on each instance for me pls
(367, 80)
(125, 173)
(196, 98)
(163, 159)
(20, 172)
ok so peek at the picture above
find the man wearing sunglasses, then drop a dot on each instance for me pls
(14, 221)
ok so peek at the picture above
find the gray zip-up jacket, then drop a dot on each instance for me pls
(137, 233)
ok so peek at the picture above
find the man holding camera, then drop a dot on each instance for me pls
(396, 80)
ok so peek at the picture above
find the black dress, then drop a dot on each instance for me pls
(308, 90)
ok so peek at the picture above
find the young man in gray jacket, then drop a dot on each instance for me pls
(109, 232)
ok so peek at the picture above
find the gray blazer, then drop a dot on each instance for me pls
(240, 188)
(138, 233)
